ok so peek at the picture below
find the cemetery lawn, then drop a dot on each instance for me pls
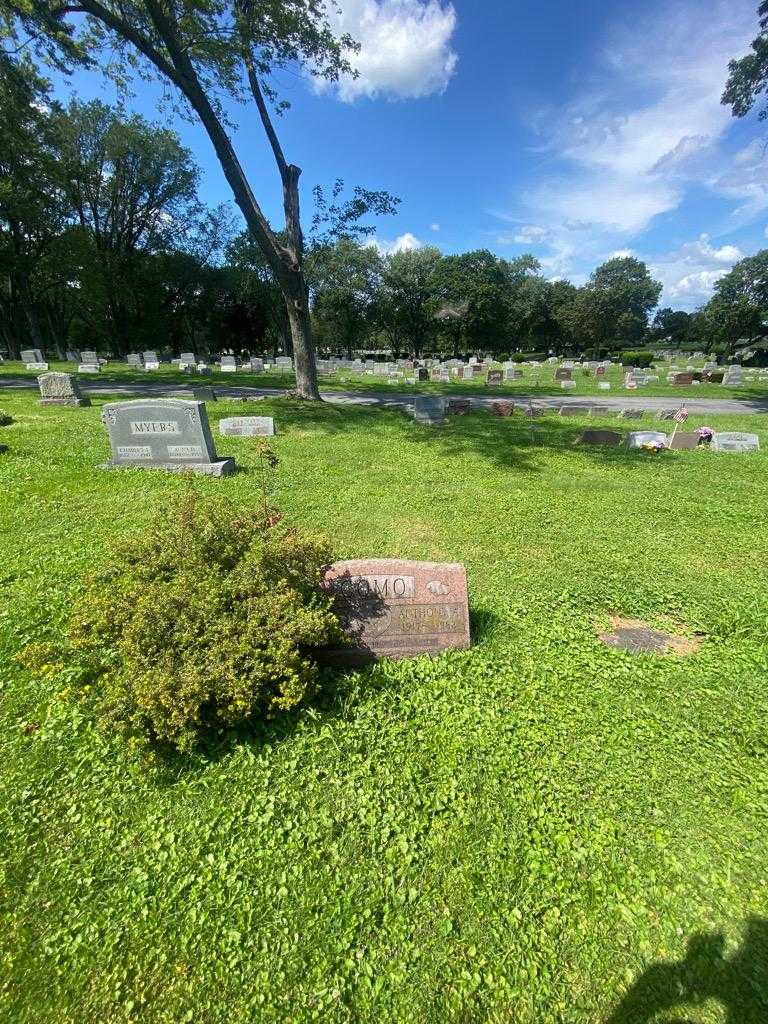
(541, 383)
(533, 830)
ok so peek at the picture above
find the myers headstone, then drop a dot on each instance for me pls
(247, 426)
(162, 433)
(392, 608)
(60, 389)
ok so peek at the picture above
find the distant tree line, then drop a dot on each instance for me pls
(105, 244)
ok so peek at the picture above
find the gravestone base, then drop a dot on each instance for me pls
(221, 467)
(65, 401)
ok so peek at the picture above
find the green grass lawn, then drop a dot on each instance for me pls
(538, 829)
(539, 382)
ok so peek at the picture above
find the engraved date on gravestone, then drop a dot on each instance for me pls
(395, 608)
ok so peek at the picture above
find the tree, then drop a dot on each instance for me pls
(404, 307)
(131, 187)
(738, 310)
(673, 327)
(477, 284)
(748, 76)
(32, 210)
(611, 311)
(208, 49)
(344, 280)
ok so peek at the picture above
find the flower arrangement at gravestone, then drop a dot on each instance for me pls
(705, 435)
(209, 620)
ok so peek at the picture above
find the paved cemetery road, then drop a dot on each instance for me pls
(390, 398)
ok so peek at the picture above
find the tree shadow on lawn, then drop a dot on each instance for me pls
(508, 442)
(739, 982)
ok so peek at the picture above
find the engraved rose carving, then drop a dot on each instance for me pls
(438, 589)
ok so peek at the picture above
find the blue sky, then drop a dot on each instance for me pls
(572, 130)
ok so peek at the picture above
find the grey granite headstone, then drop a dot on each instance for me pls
(60, 389)
(632, 414)
(89, 368)
(32, 355)
(257, 365)
(574, 410)
(151, 362)
(667, 414)
(228, 364)
(89, 357)
(134, 359)
(735, 441)
(162, 433)
(247, 426)
(204, 394)
(494, 378)
(684, 441)
(429, 410)
(609, 437)
(640, 438)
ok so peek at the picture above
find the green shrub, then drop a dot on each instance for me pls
(208, 620)
(5, 419)
(636, 357)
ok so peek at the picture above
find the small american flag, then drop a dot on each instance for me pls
(681, 415)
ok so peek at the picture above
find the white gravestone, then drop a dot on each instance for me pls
(734, 441)
(247, 426)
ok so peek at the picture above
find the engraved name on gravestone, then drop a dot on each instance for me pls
(60, 389)
(393, 608)
(247, 426)
(163, 433)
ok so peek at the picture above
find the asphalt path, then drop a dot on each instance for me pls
(393, 399)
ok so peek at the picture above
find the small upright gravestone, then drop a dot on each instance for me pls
(734, 441)
(163, 433)
(494, 378)
(631, 414)
(502, 408)
(247, 426)
(430, 411)
(564, 373)
(607, 437)
(204, 394)
(151, 362)
(228, 364)
(640, 438)
(60, 389)
(684, 440)
(391, 608)
(459, 406)
(574, 410)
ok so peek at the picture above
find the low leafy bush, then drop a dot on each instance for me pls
(636, 357)
(5, 419)
(207, 620)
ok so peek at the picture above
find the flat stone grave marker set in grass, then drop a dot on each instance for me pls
(637, 637)
(163, 433)
(397, 609)
(735, 441)
(60, 389)
(247, 426)
(602, 437)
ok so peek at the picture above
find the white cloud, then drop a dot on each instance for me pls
(621, 254)
(690, 272)
(434, 227)
(648, 128)
(405, 47)
(531, 234)
(404, 243)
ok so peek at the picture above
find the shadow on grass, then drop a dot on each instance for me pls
(507, 442)
(739, 982)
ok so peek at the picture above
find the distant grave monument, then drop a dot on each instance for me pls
(684, 440)
(392, 608)
(228, 364)
(247, 426)
(494, 378)
(640, 438)
(162, 433)
(60, 389)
